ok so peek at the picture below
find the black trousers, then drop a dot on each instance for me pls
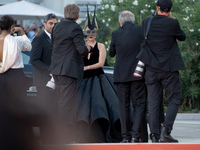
(12, 91)
(155, 82)
(66, 88)
(135, 91)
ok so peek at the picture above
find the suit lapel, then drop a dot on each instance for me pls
(47, 37)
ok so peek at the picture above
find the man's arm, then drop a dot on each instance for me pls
(79, 42)
(180, 35)
(36, 54)
(112, 50)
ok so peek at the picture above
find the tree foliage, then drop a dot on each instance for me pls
(186, 11)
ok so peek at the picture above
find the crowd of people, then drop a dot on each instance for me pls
(88, 105)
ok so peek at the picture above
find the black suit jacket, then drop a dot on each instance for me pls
(41, 58)
(164, 53)
(125, 44)
(68, 49)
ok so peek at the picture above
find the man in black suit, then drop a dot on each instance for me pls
(68, 50)
(163, 60)
(125, 45)
(40, 58)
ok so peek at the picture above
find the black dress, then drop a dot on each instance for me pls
(96, 106)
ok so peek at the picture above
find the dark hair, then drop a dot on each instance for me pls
(6, 22)
(71, 11)
(165, 5)
(50, 16)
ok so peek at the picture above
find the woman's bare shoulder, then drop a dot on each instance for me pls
(101, 45)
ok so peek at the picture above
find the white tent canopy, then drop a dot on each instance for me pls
(23, 10)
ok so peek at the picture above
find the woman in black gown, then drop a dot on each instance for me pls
(96, 104)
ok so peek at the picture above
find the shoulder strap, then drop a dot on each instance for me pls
(148, 26)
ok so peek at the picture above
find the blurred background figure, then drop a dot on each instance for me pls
(16, 131)
(31, 31)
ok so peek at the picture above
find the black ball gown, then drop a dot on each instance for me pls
(96, 110)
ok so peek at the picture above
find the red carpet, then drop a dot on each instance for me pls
(159, 146)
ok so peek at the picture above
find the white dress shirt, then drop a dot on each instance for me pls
(12, 52)
(49, 35)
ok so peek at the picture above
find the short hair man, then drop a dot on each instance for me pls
(162, 69)
(125, 44)
(40, 58)
(68, 49)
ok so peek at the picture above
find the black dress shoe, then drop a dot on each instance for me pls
(135, 140)
(154, 138)
(165, 137)
(125, 141)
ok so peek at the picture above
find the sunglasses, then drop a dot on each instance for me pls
(91, 31)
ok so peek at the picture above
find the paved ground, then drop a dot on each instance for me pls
(186, 128)
(187, 131)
